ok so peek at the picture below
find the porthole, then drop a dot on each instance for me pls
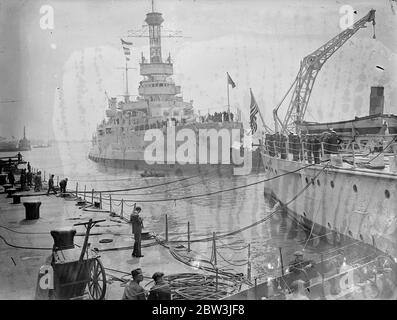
(313, 182)
(329, 225)
(350, 233)
(304, 213)
(332, 184)
(275, 171)
(361, 237)
(318, 182)
(354, 188)
(307, 180)
(387, 194)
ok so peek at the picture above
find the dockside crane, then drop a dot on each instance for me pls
(309, 69)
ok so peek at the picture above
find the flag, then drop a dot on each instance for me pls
(230, 81)
(126, 47)
(253, 112)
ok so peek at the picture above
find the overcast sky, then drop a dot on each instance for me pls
(53, 81)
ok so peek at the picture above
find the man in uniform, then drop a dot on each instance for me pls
(133, 290)
(161, 289)
(137, 226)
(51, 185)
(301, 268)
(62, 185)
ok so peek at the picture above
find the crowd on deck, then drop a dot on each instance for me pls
(309, 146)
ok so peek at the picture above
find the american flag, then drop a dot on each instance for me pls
(253, 111)
(126, 47)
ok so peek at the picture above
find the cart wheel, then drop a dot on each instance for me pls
(97, 282)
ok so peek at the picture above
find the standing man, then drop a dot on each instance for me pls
(11, 177)
(51, 185)
(19, 157)
(29, 167)
(161, 289)
(133, 290)
(137, 226)
(63, 184)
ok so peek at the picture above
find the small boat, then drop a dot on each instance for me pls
(147, 174)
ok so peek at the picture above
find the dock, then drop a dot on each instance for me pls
(26, 244)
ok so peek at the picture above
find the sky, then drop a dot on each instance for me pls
(53, 80)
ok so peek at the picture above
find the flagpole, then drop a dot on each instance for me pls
(228, 102)
(260, 114)
(126, 81)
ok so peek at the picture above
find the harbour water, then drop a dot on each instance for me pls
(216, 211)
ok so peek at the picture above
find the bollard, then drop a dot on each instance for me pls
(16, 198)
(92, 196)
(188, 236)
(10, 192)
(32, 210)
(85, 190)
(110, 203)
(100, 200)
(122, 208)
(166, 228)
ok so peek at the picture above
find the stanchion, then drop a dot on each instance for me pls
(215, 260)
(85, 189)
(92, 196)
(100, 200)
(188, 236)
(110, 203)
(122, 208)
(44, 177)
(281, 262)
(166, 228)
(249, 263)
(77, 189)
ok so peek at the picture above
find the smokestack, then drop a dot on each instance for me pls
(376, 101)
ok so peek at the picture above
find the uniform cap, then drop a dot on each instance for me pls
(298, 253)
(157, 275)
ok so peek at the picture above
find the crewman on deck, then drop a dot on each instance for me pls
(62, 185)
(333, 142)
(37, 181)
(29, 178)
(161, 289)
(137, 226)
(301, 267)
(133, 290)
(19, 157)
(11, 177)
(51, 185)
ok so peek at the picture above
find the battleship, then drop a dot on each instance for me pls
(120, 139)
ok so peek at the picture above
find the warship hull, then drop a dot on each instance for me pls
(359, 203)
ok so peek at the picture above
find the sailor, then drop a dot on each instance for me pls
(29, 167)
(133, 290)
(316, 147)
(62, 185)
(51, 185)
(29, 178)
(283, 146)
(161, 289)
(333, 141)
(11, 177)
(22, 179)
(37, 181)
(137, 226)
(300, 267)
(19, 157)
